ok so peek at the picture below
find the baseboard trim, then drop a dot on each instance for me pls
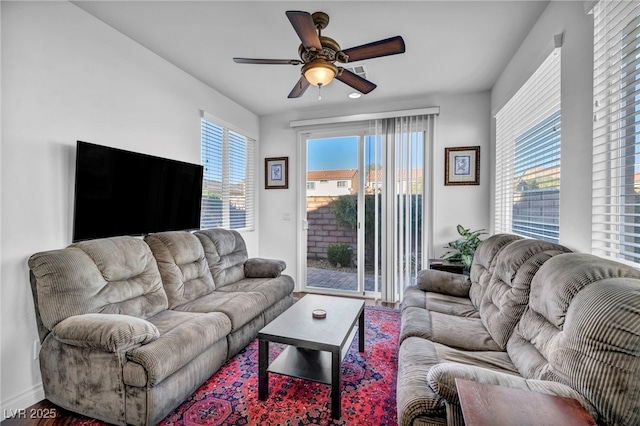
(23, 400)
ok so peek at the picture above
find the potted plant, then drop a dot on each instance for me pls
(462, 250)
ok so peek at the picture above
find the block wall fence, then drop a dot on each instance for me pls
(323, 229)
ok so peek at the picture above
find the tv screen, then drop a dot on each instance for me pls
(120, 192)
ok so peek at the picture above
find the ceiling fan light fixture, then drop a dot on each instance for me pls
(319, 72)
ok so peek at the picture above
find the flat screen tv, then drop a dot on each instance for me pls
(120, 192)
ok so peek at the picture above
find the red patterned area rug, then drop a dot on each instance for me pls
(230, 396)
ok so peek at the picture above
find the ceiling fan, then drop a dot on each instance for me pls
(318, 55)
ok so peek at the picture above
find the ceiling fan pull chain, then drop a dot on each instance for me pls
(319, 91)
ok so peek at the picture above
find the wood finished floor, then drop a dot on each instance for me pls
(44, 413)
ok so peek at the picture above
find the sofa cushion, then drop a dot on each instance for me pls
(226, 254)
(459, 332)
(416, 357)
(239, 307)
(507, 292)
(116, 275)
(483, 261)
(582, 328)
(450, 305)
(108, 332)
(183, 336)
(438, 302)
(182, 264)
(273, 289)
(443, 282)
(258, 267)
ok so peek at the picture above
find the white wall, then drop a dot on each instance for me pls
(67, 76)
(577, 111)
(464, 121)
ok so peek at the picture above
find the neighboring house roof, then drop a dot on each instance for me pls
(415, 174)
(331, 174)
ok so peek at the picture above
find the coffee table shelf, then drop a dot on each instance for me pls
(308, 364)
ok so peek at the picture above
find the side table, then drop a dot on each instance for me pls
(492, 405)
(445, 265)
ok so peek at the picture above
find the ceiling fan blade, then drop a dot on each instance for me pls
(351, 79)
(386, 47)
(299, 89)
(267, 61)
(306, 29)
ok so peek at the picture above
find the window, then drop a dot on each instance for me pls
(227, 190)
(342, 184)
(616, 144)
(311, 185)
(528, 157)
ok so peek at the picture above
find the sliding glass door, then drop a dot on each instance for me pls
(333, 224)
(365, 219)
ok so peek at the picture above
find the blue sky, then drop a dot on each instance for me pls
(332, 153)
(342, 152)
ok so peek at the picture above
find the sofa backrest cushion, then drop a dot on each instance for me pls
(482, 266)
(111, 276)
(226, 254)
(582, 328)
(182, 264)
(507, 292)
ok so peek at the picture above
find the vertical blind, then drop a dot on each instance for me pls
(616, 131)
(228, 187)
(527, 181)
(407, 142)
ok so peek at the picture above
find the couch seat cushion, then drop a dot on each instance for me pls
(451, 305)
(183, 336)
(458, 332)
(273, 289)
(416, 357)
(239, 307)
(438, 302)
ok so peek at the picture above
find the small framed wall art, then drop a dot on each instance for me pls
(462, 165)
(276, 173)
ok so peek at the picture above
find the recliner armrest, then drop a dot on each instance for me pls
(443, 282)
(108, 332)
(263, 268)
(441, 378)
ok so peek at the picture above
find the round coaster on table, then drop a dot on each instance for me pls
(319, 313)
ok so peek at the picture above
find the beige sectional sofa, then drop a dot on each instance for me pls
(531, 315)
(131, 327)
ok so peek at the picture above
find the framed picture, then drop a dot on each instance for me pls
(276, 173)
(462, 165)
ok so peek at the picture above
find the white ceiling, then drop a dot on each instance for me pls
(451, 46)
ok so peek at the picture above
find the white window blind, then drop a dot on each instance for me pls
(616, 143)
(228, 187)
(527, 181)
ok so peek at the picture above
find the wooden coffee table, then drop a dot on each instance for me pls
(316, 346)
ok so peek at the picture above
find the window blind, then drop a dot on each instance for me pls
(228, 187)
(616, 142)
(527, 180)
(407, 144)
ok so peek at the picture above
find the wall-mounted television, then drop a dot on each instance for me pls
(119, 192)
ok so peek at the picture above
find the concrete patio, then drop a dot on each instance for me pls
(326, 278)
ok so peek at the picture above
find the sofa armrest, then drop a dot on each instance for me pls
(441, 378)
(263, 268)
(443, 282)
(108, 332)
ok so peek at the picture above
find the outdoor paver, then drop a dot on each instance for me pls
(326, 278)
